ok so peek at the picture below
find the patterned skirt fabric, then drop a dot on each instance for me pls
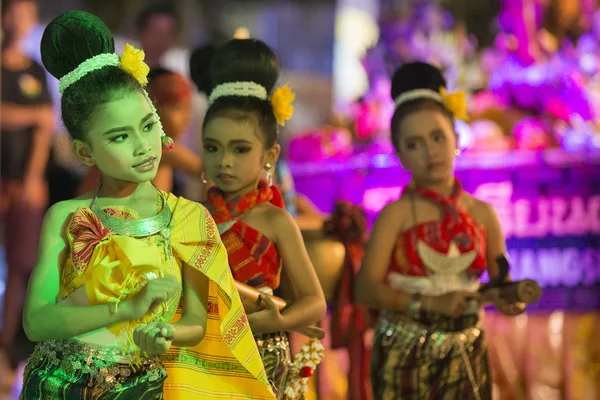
(432, 358)
(70, 369)
(276, 356)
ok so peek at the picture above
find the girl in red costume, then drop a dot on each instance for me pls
(240, 147)
(426, 253)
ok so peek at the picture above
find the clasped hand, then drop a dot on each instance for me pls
(268, 320)
(154, 338)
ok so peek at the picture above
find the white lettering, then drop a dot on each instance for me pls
(522, 211)
(594, 214)
(520, 218)
(499, 195)
(554, 267)
(559, 209)
(577, 223)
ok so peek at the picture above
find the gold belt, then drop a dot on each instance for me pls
(106, 373)
(432, 343)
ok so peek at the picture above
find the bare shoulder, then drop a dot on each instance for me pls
(279, 217)
(482, 211)
(64, 208)
(394, 214)
(58, 216)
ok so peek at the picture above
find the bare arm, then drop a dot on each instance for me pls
(17, 116)
(43, 319)
(42, 139)
(183, 159)
(190, 329)
(495, 244)
(371, 290)
(309, 305)
(495, 247)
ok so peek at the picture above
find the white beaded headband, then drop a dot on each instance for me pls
(418, 94)
(241, 89)
(132, 62)
(91, 64)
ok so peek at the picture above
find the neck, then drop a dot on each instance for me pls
(228, 196)
(444, 187)
(120, 189)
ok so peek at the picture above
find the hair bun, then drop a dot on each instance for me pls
(244, 60)
(199, 67)
(71, 38)
(416, 75)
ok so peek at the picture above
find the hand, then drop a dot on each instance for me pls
(154, 338)
(453, 304)
(155, 292)
(494, 296)
(268, 320)
(35, 193)
(509, 309)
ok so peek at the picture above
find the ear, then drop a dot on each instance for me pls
(82, 151)
(272, 154)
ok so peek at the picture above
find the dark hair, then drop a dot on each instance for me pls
(412, 76)
(68, 40)
(155, 73)
(141, 21)
(199, 67)
(245, 60)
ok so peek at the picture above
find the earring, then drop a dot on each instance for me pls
(203, 178)
(268, 167)
(167, 143)
(457, 152)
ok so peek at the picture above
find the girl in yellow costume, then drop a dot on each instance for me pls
(132, 296)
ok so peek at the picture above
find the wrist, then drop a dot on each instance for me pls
(283, 324)
(415, 304)
(428, 303)
(121, 311)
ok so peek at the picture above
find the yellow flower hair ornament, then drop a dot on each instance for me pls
(132, 62)
(455, 102)
(282, 100)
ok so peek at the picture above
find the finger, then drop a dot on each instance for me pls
(137, 334)
(153, 336)
(147, 336)
(168, 331)
(161, 345)
(268, 301)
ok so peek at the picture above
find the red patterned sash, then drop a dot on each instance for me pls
(253, 258)
(456, 226)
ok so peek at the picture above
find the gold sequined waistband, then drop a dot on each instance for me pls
(271, 341)
(82, 350)
(102, 364)
(419, 343)
(392, 325)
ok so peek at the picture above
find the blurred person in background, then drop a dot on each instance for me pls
(157, 27)
(26, 127)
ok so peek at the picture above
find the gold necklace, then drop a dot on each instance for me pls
(138, 228)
